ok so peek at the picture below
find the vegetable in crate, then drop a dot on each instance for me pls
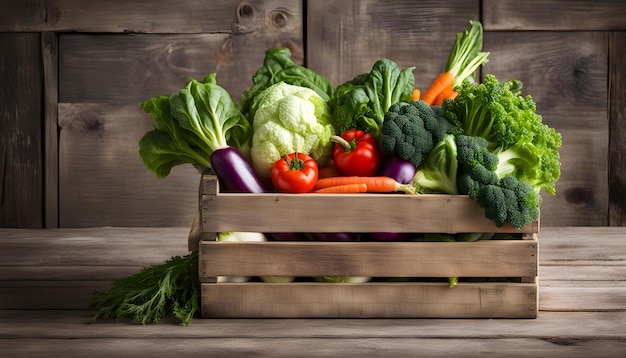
(362, 102)
(342, 279)
(410, 130)
(289, 119)
(200, 125)
(294, 173)
(279, 67)
(401, 170)
(505, 199)
(375, 184)
(356, 153)
(526, 147)
(465, 57)
(464, 165)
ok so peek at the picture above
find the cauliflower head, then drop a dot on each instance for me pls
(289, 119)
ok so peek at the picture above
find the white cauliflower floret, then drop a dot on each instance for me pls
(289, 119)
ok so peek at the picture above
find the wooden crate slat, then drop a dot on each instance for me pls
(381, 300)
(494, 258)
(357, 213)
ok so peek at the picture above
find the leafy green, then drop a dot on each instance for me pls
(279, 67)
(362, 102)
(466, 54)
(438, 172)
(527, 148)
(171, 288)
(190, 125)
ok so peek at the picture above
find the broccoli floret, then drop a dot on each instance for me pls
(410, 130)
(513, 130)
(505, 199)
(473, 151)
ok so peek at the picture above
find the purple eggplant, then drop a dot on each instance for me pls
(401, 170)
(335, 236)
(390, 236)
(289, 236)
(234, 172)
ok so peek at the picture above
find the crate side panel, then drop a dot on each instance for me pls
(396, 300)
(347, 212)
(494, 258)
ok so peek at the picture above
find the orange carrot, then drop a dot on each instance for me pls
(416, 94)
(376, 184)
(443, 81)
(328, 172)
(342, 189)
(448, 93)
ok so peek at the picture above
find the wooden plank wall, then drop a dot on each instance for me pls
(71, 123)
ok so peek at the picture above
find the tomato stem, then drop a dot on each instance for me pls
(294, 163)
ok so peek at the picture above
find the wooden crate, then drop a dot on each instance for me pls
(276, 212)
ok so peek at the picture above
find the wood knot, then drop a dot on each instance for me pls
(245, 10)
(244, 18)
(278, 19)
(579, 196)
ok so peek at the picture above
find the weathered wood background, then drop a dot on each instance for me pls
(73, 73)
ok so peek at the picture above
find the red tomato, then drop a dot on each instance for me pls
(356, 153)
(295, 173)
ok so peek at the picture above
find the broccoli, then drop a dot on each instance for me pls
(505, 199)
(410, 130)
(527, 148)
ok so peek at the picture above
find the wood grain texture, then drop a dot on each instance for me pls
(153, 65)
(280, 212)
(346, 346)
(578, 15)
(103, 181)
(432, 213)
(61, 324)
(617, 129)
(345, 38)
(121, 53)
(372, 300)
(490, 258)
(50, 59)
(579, 281)
(21, 98)
(570, 67)
(142, 16)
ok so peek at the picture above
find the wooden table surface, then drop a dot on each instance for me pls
(47, 278)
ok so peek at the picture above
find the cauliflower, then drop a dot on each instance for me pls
(289, 119)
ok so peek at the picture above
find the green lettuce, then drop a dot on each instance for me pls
(362, 102)
(190, 125)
